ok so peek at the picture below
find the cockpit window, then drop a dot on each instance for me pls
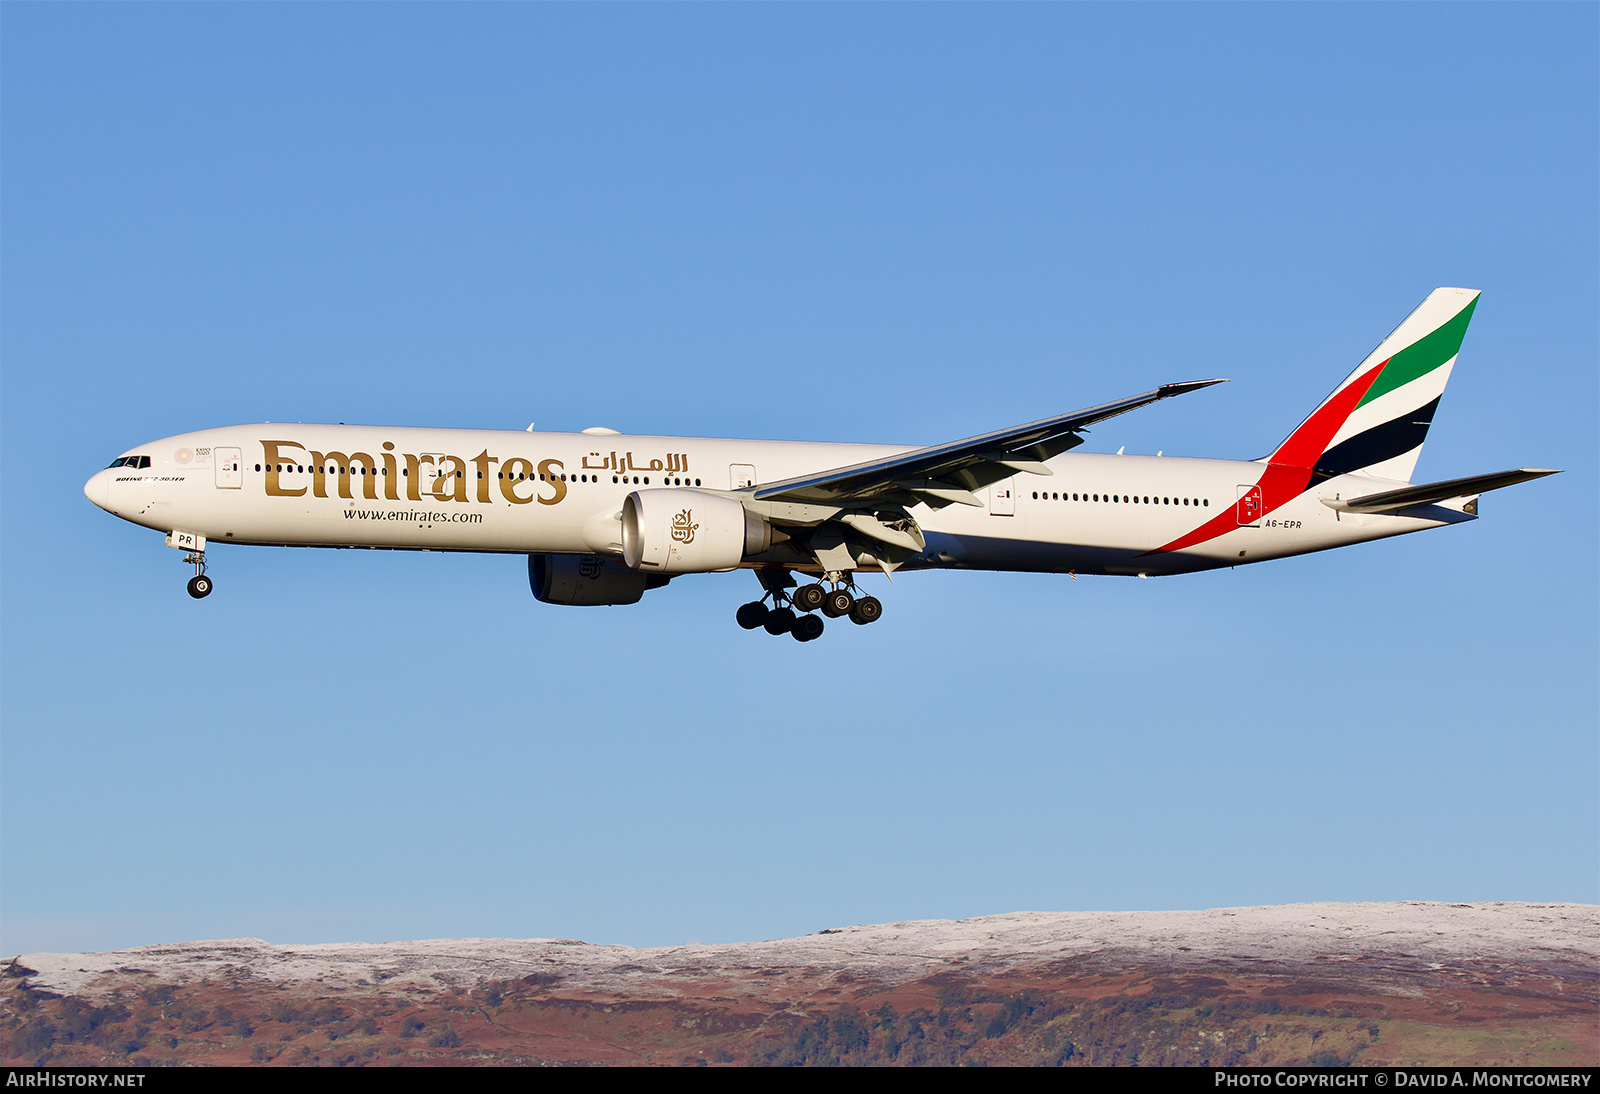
(134, 462)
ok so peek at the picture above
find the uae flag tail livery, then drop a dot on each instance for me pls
(604, 517)
(1370, 430)
(1375, 422)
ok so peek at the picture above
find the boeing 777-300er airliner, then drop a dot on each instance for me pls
(605, 517)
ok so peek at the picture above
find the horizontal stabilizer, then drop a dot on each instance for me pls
(1427, 493)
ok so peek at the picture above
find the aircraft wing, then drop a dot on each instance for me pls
(952, 473)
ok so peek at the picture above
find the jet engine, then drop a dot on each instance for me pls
(587, 580)
(689, 532)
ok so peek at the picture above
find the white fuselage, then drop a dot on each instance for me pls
(560, 493)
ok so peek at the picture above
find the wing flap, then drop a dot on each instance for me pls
(940, 494)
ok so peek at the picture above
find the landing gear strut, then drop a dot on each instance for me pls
(782, 617)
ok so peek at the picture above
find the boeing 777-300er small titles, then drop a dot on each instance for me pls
(604, 517)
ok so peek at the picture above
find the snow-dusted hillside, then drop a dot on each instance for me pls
(1410, 934)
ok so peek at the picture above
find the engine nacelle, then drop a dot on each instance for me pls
(587, 580)
(689, 532)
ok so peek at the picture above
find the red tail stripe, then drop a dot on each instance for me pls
(1288, 470)
(1216, 526)
(1311, 439)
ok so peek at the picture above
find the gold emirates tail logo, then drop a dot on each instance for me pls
(683, 526)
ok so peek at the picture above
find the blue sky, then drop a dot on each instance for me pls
(897, 223)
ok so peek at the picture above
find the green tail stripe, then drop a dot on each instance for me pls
(1422, 357)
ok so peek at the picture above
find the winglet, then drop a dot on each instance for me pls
(1167, 391)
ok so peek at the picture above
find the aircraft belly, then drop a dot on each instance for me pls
(986, 553)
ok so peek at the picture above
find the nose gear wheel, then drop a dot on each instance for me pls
(199, 585)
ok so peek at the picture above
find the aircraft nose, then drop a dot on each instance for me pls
(98, 488)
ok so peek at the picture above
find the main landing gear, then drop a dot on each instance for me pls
(199, 584)
(835, 603)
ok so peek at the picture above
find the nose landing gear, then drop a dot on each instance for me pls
(195, 544)
(782, 618)
(199, 584)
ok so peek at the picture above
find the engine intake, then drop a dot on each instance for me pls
(689, 532)
(587, 580)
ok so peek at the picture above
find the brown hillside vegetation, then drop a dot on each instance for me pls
(1030, 989)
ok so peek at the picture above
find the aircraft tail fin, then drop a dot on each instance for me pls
(1376, 420)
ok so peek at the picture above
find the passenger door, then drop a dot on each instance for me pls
(229, 468)
(1249, 507)
(1002, 498)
